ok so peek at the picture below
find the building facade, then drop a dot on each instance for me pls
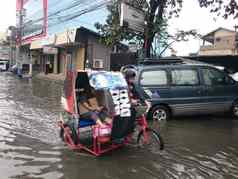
(40, 20)
(4, 47)
(8, 46)
(74, 49)
(220, 42)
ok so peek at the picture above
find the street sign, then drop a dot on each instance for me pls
(50, 50)
(132, 17)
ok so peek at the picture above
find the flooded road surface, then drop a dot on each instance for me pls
(196, 148)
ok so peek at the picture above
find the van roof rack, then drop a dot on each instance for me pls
(159, 61)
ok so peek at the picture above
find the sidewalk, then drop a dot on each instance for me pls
(58, 78)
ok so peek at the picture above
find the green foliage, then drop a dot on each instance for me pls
(157, 14)
(111, 31)
(221, 8)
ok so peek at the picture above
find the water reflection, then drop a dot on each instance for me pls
(27, 132)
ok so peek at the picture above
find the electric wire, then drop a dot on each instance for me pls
(69, 17)
(62, 10)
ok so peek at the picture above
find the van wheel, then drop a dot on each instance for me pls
(235, 110)
(160, 113)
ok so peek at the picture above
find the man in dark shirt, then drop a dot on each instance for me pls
(138, 101)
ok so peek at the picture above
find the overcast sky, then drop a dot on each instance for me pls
(191, 17)
(7, 14)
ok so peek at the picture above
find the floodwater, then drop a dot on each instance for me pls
(195, 147)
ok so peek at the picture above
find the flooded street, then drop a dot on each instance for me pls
(195, 147)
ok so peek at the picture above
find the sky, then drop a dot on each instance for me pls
(191, 17)
(7, 14)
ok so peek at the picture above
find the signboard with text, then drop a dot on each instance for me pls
(34, 18)
(50, 50)
(132, 17)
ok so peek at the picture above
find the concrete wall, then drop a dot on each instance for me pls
(55, 64)
(230, 62)
(25, 57)
(224, 39)
(214, 52)
(96, 50)
(80, 58)
(223, 33)
(62, 61)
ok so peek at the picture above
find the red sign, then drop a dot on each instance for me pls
(28, 36)
(69, 91)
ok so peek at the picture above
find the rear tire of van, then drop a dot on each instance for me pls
(160, 113)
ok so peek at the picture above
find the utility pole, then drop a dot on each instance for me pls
(19, 18)
(11, 38)
(236, 27)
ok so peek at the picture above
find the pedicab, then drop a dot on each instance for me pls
(111, 91)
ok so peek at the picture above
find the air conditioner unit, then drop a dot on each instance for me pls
(98, 63)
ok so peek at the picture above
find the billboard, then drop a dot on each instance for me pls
(34, 15)
(132, 17)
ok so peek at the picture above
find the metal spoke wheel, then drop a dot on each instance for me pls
(160, 113)
(150, 139)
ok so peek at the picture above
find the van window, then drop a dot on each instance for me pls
(213, 77)
(185, 77)
(155, 77)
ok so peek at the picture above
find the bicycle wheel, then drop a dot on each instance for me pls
(74, 135)
(150, 139)
(61, 134)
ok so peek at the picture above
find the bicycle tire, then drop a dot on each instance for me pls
(152, 134)
(61, 134)
(74, 135)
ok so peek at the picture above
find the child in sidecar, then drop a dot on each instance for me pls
(90, 109)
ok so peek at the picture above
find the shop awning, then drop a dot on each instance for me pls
(40, 43)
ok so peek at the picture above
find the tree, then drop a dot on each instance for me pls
(157, 13)
(111, 31)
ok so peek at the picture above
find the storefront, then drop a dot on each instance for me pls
(50, 60)
(44, 57)
(72, 53)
